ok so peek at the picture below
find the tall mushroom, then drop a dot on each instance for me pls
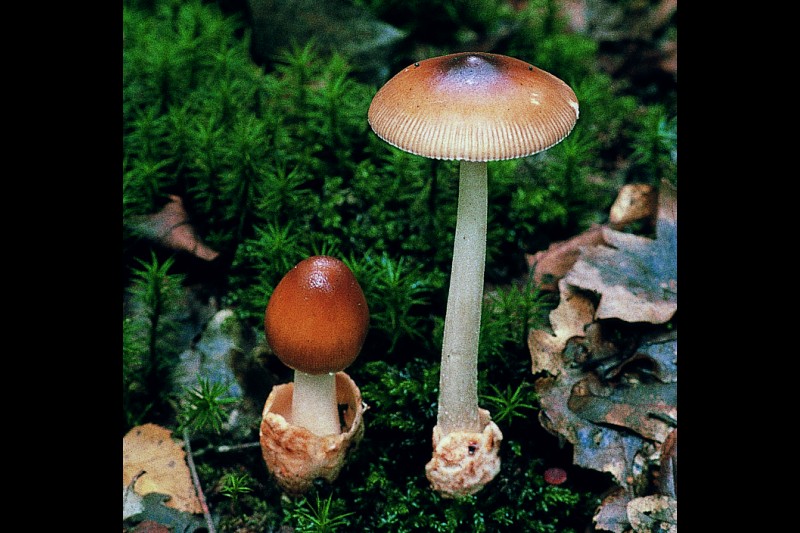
(315, 322)
(473, 107)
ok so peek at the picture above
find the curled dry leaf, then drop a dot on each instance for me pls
(595, 446)
(609, 387)
(170, 227)
(150, 448)
(636, 277)
(550, 265)
(574, 312)
(635, 201)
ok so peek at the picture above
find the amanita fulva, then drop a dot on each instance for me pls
(473, 107)
(316, 322)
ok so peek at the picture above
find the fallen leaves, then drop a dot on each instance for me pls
(152, 462)
(608, 366)
(636, 276)
(653, 513)
(551, 265)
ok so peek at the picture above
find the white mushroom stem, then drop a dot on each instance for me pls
(314, 403)
(458, 378)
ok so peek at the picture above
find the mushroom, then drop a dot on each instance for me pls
(316, 322)
(555, 475)
(473, 107)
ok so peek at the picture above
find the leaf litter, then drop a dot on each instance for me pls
(607, 367)
(158, 462)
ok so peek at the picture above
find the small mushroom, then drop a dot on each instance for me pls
(473, 107)
(316, 322)
(555, 475)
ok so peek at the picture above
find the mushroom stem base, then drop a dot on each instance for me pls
(463, 462)
(294, 455)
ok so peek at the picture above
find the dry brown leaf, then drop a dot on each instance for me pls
(635, 201)
(637, 277)
(643, 408)
(610, 387)
(653, 513)
(550, 265)
(148, 526)
(595, 447)
(171, 228)
(574, 312)
(612, 514)
(150, 448)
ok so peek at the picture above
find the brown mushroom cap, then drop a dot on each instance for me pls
(473, 106)
(317, 317)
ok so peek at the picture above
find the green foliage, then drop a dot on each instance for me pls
(655, 150)
(233, 485)
(395, 391)
(395, 293)
(203, 408)
(543, 40)
(507, 404)
(135, 399)
(147, 337)
(322, 516)
(520, 307)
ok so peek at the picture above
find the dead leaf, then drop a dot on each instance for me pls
(150, 448)
(594, 446)
(612, 515)
(156, 516)
(656, 356)
(635, 201)
(550, 265)
(131, 502)
(148, 526)
(610, 386)
(636, 277)
(653, 513)
(568, 320)
(640, 407)
(171, 228)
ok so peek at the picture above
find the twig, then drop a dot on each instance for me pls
(227, 448)
(196, 480)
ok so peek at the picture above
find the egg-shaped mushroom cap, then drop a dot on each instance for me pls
(473, 106)
(317, 318)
